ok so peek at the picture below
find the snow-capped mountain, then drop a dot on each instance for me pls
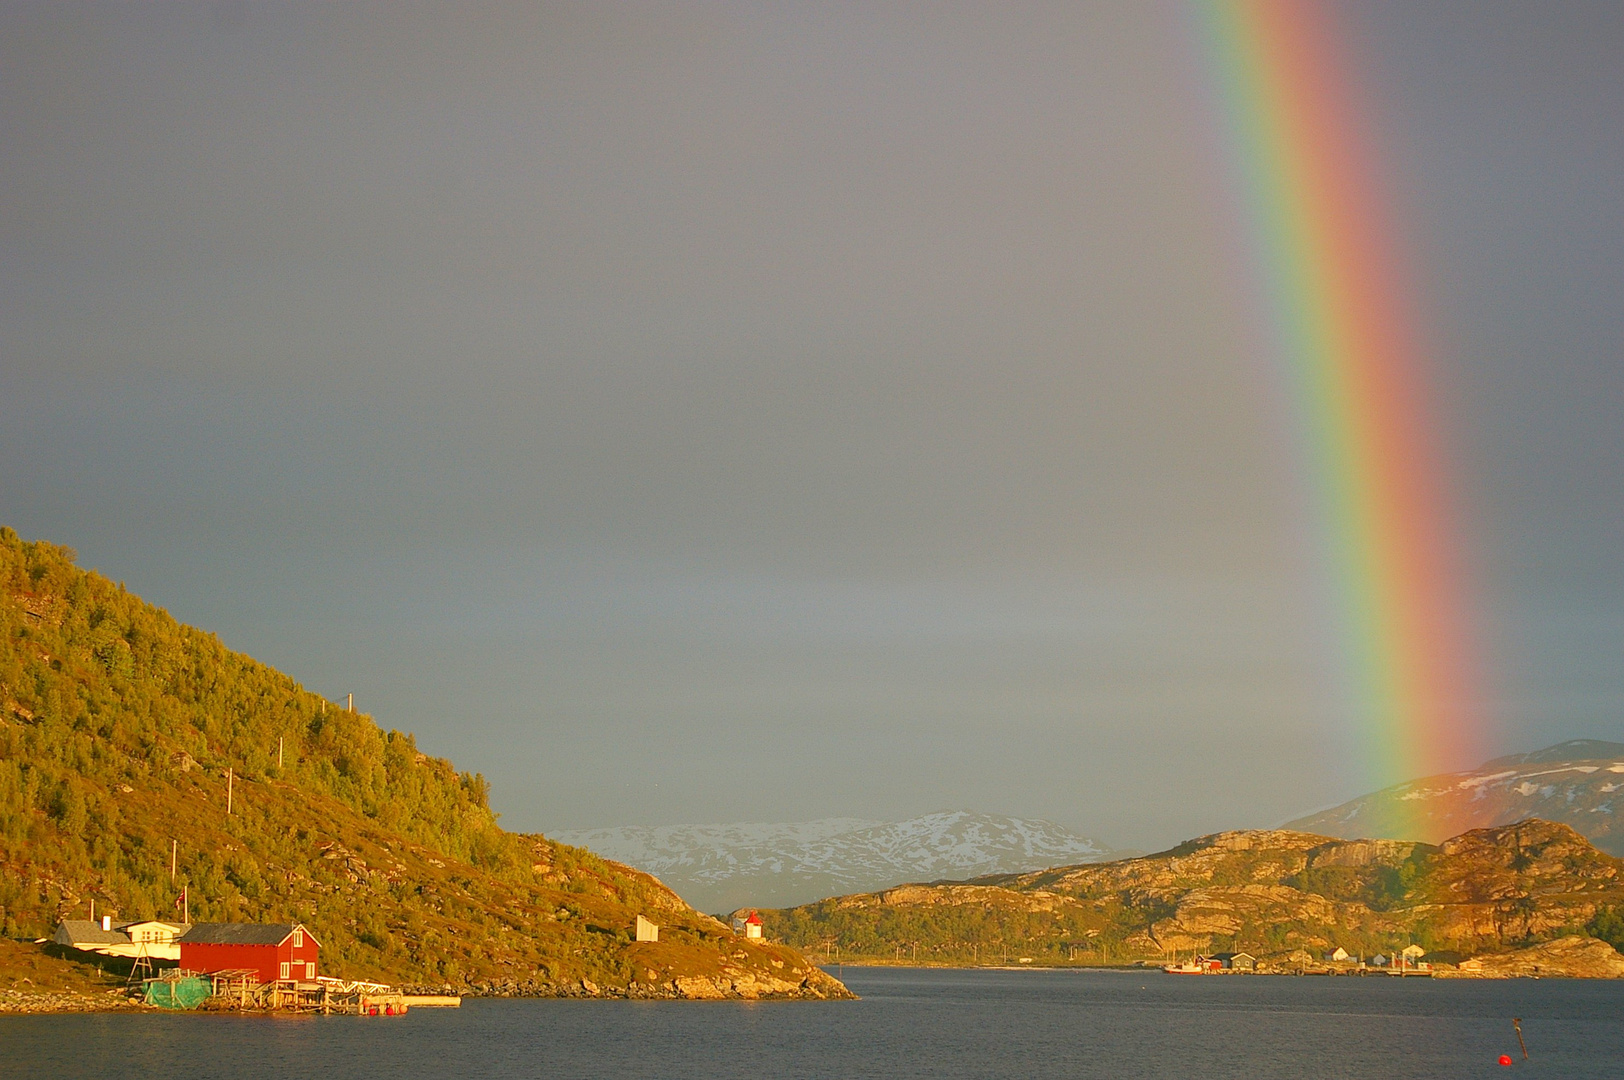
(719, 868)
(1578, 783)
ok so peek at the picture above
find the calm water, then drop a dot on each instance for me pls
(909, 1024)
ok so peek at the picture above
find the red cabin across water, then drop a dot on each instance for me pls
(274, 950)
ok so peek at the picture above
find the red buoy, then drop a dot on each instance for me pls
(1505, 1059)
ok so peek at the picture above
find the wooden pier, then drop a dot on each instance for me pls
(242, 989)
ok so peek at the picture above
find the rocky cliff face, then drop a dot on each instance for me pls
(1271, 893)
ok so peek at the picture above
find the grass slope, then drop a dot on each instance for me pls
(117, 728)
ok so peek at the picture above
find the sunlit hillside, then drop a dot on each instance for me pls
(140, 759)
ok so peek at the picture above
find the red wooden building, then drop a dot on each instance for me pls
(274, 950)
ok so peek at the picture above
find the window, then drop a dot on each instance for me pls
(298, 939)
(285, 972)
(310, 970)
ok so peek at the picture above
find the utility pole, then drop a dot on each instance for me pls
(174, 850)
(279, 751)
(351, 706)
(228, 790)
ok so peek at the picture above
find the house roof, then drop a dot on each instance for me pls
(75, 931)
(178, 927)
(231, 933)
(1230, 955)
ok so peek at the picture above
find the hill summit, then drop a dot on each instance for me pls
(140, 759)
(1574, 782)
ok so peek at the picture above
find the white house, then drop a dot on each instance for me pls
(158, 939)
(1339, 954)
(149, 937)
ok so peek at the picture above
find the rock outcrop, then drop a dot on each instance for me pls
(1567, 957)
(1273, 893)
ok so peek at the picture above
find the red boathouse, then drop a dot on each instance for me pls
(274, 950)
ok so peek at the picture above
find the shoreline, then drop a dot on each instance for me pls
(15, 1002)
(1155, 969)
(20, 1001)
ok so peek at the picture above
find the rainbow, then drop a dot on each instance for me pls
(1323, 255)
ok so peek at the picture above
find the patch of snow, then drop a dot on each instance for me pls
(1563, 769)
(1489, 796)
(1471, 781)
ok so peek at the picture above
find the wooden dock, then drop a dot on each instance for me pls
(433, 1001)
(242, 989)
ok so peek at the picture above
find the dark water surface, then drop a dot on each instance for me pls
(909, 1024)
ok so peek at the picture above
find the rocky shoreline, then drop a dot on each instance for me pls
(1571, 957)
(20, 1002)
(727, 986)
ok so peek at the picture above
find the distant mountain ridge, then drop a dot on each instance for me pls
(723, 867)
(1578, 783)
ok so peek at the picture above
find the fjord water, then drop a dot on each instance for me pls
(910, 1023)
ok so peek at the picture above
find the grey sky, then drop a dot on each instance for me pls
(741, 411)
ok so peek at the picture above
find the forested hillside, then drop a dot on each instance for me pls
(120, 730)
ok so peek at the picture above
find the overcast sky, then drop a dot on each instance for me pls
(707, 412)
